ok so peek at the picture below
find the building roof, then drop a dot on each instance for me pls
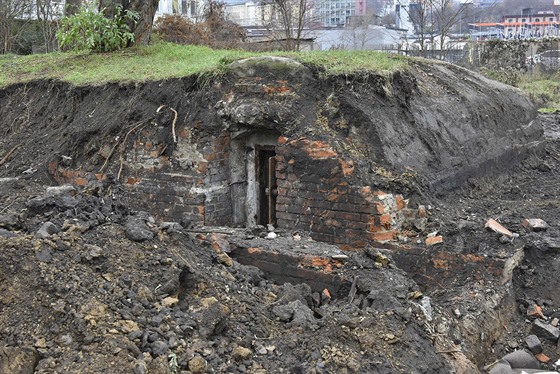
(514, 24)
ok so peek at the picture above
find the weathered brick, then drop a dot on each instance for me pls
(298, 209)
(332, 197)
(80, 181)
(348, 216)
(384, 235)
(380, 208)
(433, 240)
(332, 222)
(322, 228)
(354, 233)
(323, 237)
(401, 202)
(356, 225)
(347, 167)
(286, 216)
(385, 220)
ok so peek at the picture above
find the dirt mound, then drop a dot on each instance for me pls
(90, 282)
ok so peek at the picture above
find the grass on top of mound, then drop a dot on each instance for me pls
(165, 60)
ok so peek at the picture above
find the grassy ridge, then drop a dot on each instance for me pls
(164, 60)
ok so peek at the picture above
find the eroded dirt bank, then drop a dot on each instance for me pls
(95, 277)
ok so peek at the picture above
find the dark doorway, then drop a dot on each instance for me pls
(267, 191)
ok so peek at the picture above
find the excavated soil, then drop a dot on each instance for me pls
(79, 293)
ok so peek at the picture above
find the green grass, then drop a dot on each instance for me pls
(163, 60)
(543, 87)
(351, 62)
(544, 90)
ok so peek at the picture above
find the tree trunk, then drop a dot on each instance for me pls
(146, 9)
(72, 7)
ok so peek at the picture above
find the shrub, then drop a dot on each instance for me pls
(215, 31)
(178, 30)
(90, 30)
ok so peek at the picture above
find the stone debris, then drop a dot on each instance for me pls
(197, 365)
(339, 257)
(7, 234)
(535, 224)
(545, 330)
(240, 353)
(533, 344)
(493, 225)
(47, 229)
(18, 360)
(519, 359)
(9, 220)
(171, 226)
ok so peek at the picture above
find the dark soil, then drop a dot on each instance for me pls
(79, 294)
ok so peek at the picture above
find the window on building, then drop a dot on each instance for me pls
(193, 8)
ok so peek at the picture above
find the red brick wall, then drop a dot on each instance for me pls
(314, 195)
(316, 191)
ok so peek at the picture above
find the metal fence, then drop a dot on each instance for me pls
(454, 53)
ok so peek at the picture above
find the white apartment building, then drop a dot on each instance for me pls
(191, 9)
(249, 13)
(325, 13)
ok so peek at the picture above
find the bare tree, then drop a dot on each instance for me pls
(48, 12)
(433, 22)
(220, 31)
(287, 21)
(419, 15)
(446, 15)
(12, 12)
(360, 32)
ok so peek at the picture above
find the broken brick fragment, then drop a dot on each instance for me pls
(493, 225)
(325, 296)
(535, 311)
(81, 182)
(433, 240)
(542, 358)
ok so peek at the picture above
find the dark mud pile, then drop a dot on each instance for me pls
(79, 296)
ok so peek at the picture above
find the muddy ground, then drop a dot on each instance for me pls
(88, 285)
